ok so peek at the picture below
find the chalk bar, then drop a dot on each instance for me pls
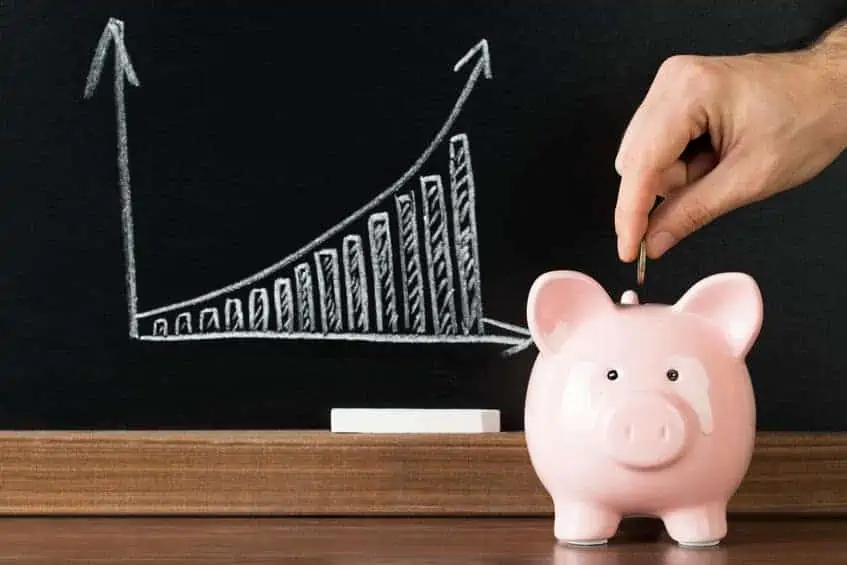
(413, 421)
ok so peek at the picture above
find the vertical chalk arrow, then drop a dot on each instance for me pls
(114, 33)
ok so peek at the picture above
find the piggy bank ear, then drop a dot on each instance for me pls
(732, 302)
(558, 302)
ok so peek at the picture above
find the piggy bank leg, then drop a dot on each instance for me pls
(697, 526)
(579, 523)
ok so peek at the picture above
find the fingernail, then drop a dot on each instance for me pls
(659, 243)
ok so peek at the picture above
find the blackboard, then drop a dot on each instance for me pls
(321, 167)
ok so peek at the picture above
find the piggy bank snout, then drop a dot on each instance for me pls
(644, 430)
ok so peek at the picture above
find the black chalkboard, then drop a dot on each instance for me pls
(396, 173)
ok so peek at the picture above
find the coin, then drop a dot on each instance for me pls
(642, 263)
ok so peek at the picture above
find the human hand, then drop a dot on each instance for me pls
(771, 122)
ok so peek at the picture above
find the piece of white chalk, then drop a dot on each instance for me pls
(413, 421)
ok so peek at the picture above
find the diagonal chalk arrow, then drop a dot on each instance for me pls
(113, 33)
(484, 60)
(482, 67)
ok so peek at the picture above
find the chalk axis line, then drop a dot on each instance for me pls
(360, 286)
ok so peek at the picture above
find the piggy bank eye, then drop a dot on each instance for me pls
(612, 375)
(673, 375)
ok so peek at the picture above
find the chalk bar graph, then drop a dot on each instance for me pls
(379, 284)
(403, 268)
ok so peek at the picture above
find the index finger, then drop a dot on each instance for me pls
(658, 134)
(635, 200)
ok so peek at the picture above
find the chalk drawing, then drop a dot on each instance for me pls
(464, 230)
(209, 320)
(410, 264)
(375, 338)
(183, 323)
(353, 257)
(406, 287)
(283, 305)
(305, 297)
(258, 307)
(233, 315)
(114, 33)
(383, 275)
(437, 246)
(329, 289)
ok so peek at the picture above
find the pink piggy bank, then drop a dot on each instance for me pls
(641, 409)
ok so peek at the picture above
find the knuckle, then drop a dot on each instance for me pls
(691, 75)
(676, 64)
(680, 67)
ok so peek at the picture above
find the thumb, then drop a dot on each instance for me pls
(687, 209)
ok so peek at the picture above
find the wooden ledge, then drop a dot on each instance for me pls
(320, 473)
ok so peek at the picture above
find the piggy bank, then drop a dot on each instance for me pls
(643, 410)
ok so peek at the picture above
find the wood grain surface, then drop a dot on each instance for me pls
(406, 541)
(320, 473)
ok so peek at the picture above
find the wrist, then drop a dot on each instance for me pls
(828, 63)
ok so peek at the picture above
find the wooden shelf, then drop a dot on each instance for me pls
(320, 473)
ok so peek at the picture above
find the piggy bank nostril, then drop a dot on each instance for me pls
(628, 432)
(663, 433)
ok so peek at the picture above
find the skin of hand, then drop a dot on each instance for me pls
(766, 123)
